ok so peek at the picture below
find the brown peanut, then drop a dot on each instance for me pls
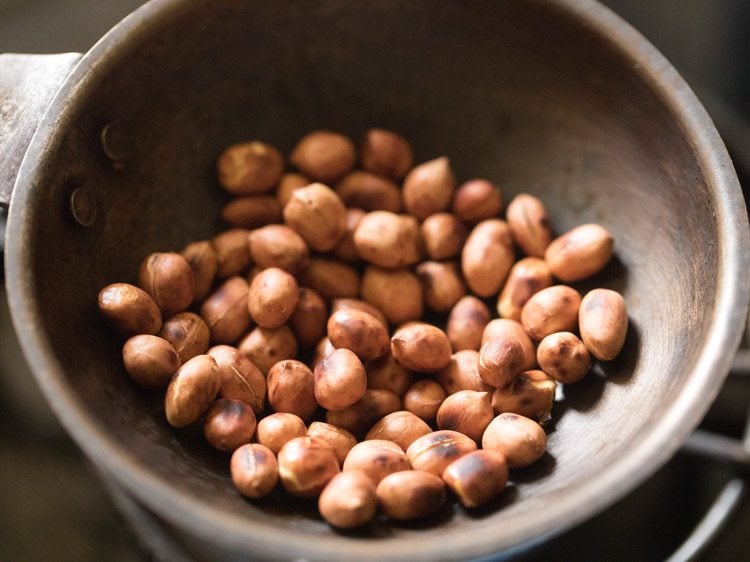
(362, 415)
(273, 295)
(477, 200)
(191, 391)
(291, 388)
(428, 188)
(322, 350)
(266, 346)
(308, 321)
(229, 424)
(345, 249)
(331, 279)
(580, 252)
(249, 167)
(530, 394)
(385, 373)
(442, 286)
(277, 245)
(254, 470)
(203, 261)
(131, 310)
(386, 153)
(360, 332)
(188, 334)
(150, 361)
(240, 378)
(462, 373)
(466, 323)
(318, 216)
(421, 347)
(275, 430)
(364, 190)
(423, 399)
(519, 439)
(554, 309)
(500, 359)
(410, 494)
(444, 235)
(340, 380)
(505, 327)
(466, 411)
(168, 279)
(400, 427)
(357, 304)
(377, 458)
(397, 293)
(340, 439)
(252, 212)
(388, 240)
(529, 223)
(232, 252)
(563, 357)
(288, 183)
(487, 257)
(435, 451)
(225, 311)
(324, 156)
(603, 323)
(348, 500)
(306, 465)
(477, 477)
(526, 277)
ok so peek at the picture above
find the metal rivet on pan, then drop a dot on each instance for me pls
(83, 207)
(114, 144)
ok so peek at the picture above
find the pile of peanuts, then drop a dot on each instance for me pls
(298, 337)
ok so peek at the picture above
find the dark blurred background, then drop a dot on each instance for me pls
(54, 506)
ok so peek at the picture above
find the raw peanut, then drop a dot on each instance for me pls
(191, 391)
(308, 321)
(554, 309)
(266, 346)
(400, 427)
(249, 167)
(563, 357)
(322, 350)
(240, 378)
(386, 153)
(168, 279)
(435, 451)
(188, 334)
(340, 439)
(580, 252)
(288, 183)
(423, 399)
(444, 235)
(428, 188)
(530, 394)
(603, 323)
(276, 430)
(505, 327)
(254, 470)
(487, 257)
(252, 212)
(272, 297)
(462, 373)
(324, 156)
(397, 293)
(359, 332)
(477, 200)
(348, 500)
(357, 304)
(203, 261)
(388, 240)
(345, 249)
(318, 216)
(520, 440)
(225, 311)
(442, 286)
(385, 373)
(500, 359)
(526, 277)
(370, 192)
(150, 360)
(421, 347)
(291, 388)
(362, 415)
(477, 477)
(529, 224)
(340, 380)
(466, 411)
(410, 494)
(229, 424)
(466, 323)
(277, 245)
(130, 310)
(331, 279)
(306, 465)
(232, 252)
(377, 458)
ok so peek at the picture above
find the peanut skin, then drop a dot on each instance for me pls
(554, 309)
(526, 277)
(487, 257)
(603, 323)
(580, 252)
(529, 224)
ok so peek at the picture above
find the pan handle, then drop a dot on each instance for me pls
(27, 85)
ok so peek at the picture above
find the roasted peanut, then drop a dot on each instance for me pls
(435, 451)
(192, 390)
(442, 286)
(410, 494)
(345, 249)
(254, 470)
(519, 439)
(428, 188)
(423, 399)
(272, 297)
(400, 427)
(232, 252)
(348, 500)
(287, 184)
(229, 424)
(250, 167)
(362, 415)
(477, 200)
(580, 252)
(306, 464)
(444, 235)
(150, 360)
(275, 430)
(603, 323)
(385, 373)
(318, 216)
(168, 279)
(487, 257)
(477, 477)
(364, 190)
(252, 212)
(188, 334)
(340, 439)
(530, 394)
(322, 350)
(505, 327)
(265, 346)
(377, 458)
(388, 240)
(466, 411)
(466, 323)
(386, 153)
(554, 309)
(462, 373)
(225, 311)
(397, 293)
(331, 279)
(357, 304)
(500, 359)
(340, 380)
(203, 261)
(131, 310)
(277, 245)
(324, 156)
(563, 357)
(421, 347)
(291, 388)
(308, 321)
(360, 332)
(529, 223)
(240, 378)
(526, 277)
